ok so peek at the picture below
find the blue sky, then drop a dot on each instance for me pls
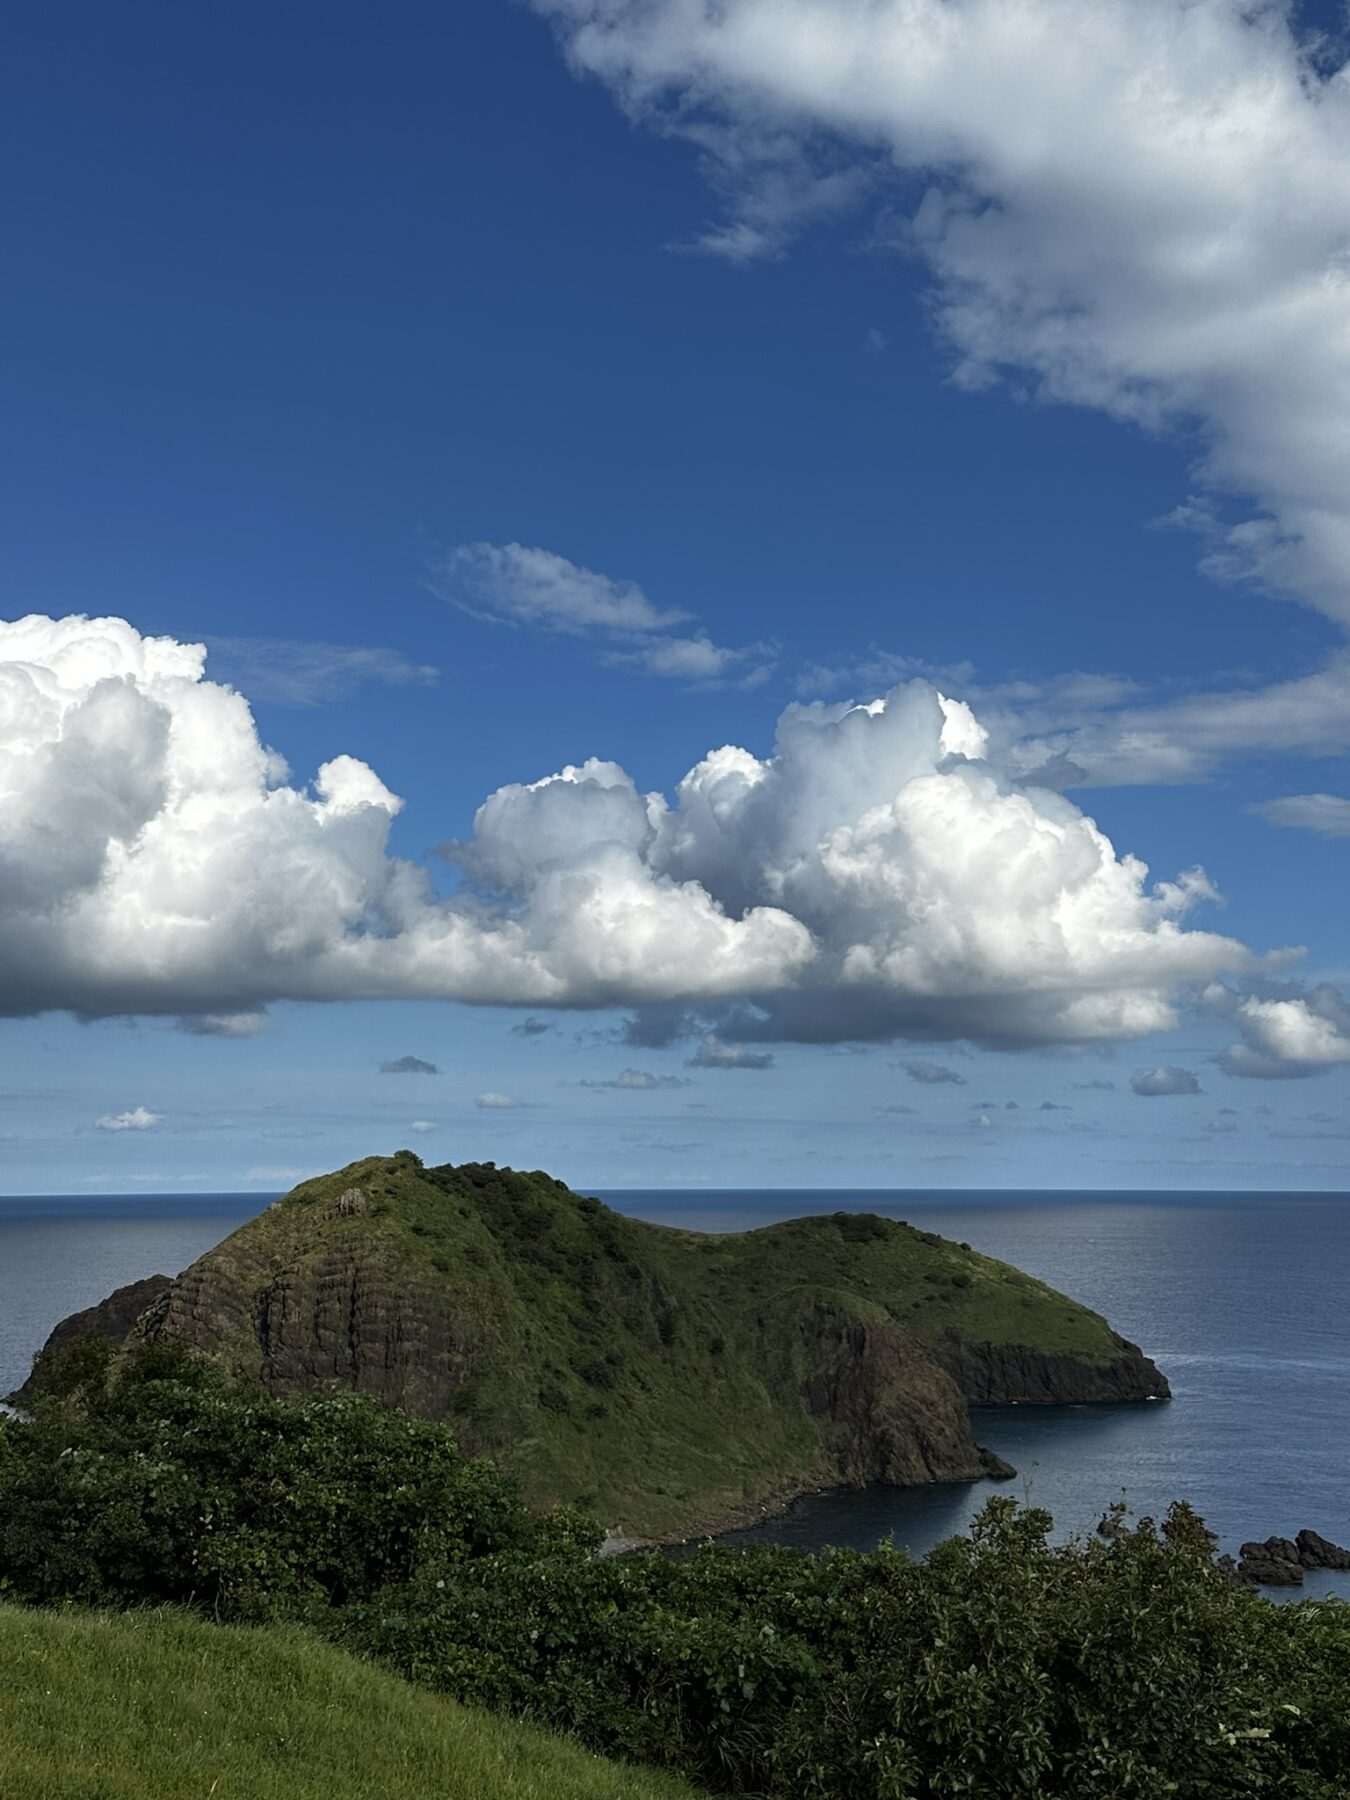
(301, 305)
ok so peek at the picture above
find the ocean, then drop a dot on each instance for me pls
(1240, 1298)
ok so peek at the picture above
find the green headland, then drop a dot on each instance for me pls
(669, 1381)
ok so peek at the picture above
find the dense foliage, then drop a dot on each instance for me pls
(157, 1481)
(1002, 1665)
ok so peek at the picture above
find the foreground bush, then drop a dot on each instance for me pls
(158, 1482)
(1002, 1665)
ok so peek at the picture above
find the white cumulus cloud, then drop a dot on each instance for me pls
(154, 858)
(138, 1118)
(1284, 1034)
(872, 877)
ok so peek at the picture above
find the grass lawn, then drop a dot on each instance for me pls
(160, 1706)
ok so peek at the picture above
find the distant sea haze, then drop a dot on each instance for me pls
(1240, 1298)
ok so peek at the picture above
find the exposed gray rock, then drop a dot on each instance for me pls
(1016, 1374)
(897, 1417)
(350, 1205)
(1317, 1552)
(1271, 1563)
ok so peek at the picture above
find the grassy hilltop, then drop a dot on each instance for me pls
(157, 1705)
(669, 1380)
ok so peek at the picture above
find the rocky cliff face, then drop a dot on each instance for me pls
(672, 1381)
(894, 1416)
(328, 1319)
(1022, 1375)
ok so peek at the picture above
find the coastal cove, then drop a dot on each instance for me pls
(1235, 1296)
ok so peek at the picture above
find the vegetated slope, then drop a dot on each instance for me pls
(670, 1380)
(155, 1706)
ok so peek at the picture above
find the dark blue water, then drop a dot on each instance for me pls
(1241, 1299)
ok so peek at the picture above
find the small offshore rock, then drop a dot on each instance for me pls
(1273, 1563)
(1317, 1552)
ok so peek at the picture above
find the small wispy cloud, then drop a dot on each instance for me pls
(290, 672)
(1326, 814)
(933, 1074)
(638, 1081)
(521, 584)
(224, 1025)
(408, 1065)
(531, 1028)
(1152, 1083)
(712, 1053)
(525, 585)
(138, 1118)
(791, 185)
(424, 1125)
(699, 660)
(492, 1101)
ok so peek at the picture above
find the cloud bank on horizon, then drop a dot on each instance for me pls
(876, 877)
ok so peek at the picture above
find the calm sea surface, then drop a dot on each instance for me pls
(1243, 1300)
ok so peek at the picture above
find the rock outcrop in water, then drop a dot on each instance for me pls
(672, 1380)
(1280, 1561)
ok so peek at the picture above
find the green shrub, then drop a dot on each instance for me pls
(1002, 1665)
(161, 1483)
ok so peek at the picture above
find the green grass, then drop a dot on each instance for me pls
(158, 1706)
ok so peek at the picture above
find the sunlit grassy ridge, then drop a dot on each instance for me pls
(159, 1706)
